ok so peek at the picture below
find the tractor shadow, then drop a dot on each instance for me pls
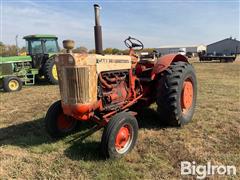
(89, 150)
(43, 83)
(84, 150)
(32, 133)
(24, 135)
(149, 119)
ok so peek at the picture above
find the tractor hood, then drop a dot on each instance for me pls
(101, 62)
(13, 59)
(78, 74)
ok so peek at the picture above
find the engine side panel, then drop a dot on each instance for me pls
(112, 62)
(113, 88)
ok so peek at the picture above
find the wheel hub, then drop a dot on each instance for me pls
(122, 138)
(64, 123)
(54, 72)
(187, 95)
(13, 85)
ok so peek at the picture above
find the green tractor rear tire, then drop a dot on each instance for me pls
(11, 84)
(50, 71)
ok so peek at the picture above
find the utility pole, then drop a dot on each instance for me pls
(17, 44)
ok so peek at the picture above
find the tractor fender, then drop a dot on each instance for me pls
(164, 62)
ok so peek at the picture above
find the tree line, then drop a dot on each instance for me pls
(12, 50)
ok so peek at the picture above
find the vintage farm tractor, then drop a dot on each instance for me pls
(42, 49)
(39, 63)
(102, 88)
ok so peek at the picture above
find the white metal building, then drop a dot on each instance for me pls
(228, 46)
(194, 49)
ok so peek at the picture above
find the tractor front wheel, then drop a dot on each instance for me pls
(50, 71)
(11, 84)
(177, 92)
(57, 124)
(119, 136)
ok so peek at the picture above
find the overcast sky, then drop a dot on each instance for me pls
(155, 23)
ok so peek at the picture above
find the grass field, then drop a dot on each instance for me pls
(27, 152)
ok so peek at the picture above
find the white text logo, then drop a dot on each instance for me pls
(201, 171)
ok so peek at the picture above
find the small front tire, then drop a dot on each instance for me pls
(119, 136)
(57, 124)
(12, 83)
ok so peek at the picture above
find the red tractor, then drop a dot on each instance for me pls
(103, 88)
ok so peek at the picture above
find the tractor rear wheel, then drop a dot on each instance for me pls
(57, 124)
(119, 136)
(177, 93)
(50, 71)
(12, 83)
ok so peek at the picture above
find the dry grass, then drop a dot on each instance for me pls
(26, 150)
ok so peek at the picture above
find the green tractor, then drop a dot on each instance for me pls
(37, 64)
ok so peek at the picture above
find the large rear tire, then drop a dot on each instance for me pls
(57, 124)
(50, 71)
(177, 93)
(119, 136)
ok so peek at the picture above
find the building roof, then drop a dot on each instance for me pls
(180, 46)
(225, 40)
(36, 36)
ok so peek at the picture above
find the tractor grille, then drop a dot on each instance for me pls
(76, 85)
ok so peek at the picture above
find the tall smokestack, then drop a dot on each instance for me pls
(97, 30)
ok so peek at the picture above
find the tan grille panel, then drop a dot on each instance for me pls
(76, 84)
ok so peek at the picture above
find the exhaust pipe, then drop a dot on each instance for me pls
(97, 30)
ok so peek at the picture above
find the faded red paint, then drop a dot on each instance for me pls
(123, 137)
(164, 62)
(81, 111)
(64, 123)
(187, 95)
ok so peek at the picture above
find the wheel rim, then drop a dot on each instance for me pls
(54, 72)
(123, 139)
(64, 123)
(13, 85)
(41, 77)
(187, 95)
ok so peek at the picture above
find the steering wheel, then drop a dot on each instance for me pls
(133, 43)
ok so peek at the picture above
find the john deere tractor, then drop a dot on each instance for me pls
(38, 63)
